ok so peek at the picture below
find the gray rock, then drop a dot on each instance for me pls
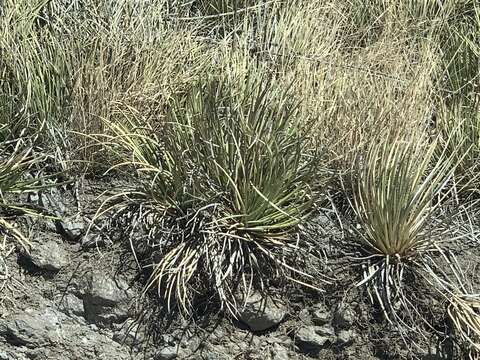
(105, 300)
(46, 333)
(53, 200)
(214, 355)
(167, 353)
(48, 255)
(261, 313)
(130, 334)
(92, 240)
(104, 315)
(70, 229)
(105, 290)
(283, 340)
(321, 315)
(86, 342)
(11, 355)
(280, 353)
(304, 315)
(325, 330)
(343, 317)
(345, 337)
(33, 328)
(312, 339)
(71, 305)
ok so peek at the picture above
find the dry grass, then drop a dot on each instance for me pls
(464, 312)
(226, 173)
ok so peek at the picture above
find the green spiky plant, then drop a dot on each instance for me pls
(226, 182)
(397, 188)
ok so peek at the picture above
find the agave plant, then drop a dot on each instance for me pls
(226, 183)
(396, 192)
(256, 156)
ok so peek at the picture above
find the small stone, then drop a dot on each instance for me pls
(53, 200)
(214, 355)
(280, 353)
(304, 315)
(322, 220)
(105, 300)
(279, 339)
(92, 240)
(104, 290)
(261, 313)
(344, 316)
(325, 330)
(345, 337)
(47, 255)
(70, 229)
(34, 198)
(321, 315)
(72, 305)
(167, 353)
(12, 355)
(312, 339)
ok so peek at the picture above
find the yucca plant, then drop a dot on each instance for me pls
(255, 153)
(397, 189)
(225, 183)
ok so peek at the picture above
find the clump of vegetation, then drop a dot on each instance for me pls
(397, 188)
(464, 313)
(21, 172)
(459, 126)
(17, 159)
(227, 180)
(224, 114)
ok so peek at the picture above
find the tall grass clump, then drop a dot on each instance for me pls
(459, 128)
(223, 184)
(64, 67)
(397, 190)
(34, 72)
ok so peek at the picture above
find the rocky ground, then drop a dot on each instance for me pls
(76, 297)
